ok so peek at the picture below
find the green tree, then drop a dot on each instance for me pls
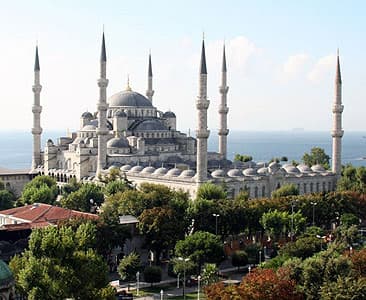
(317, 156)
(285, 190)
(60, 263)
(239, 259)
(84, 198)
(344, 288)
(201, 247)
(210, 274)
(210, 191)
(349, 219)
(152, 274)
(113, 187)
(128, 267)
(7, 199)
(72, 186)
(243, 158)
(42, 189)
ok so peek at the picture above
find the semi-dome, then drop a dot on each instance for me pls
(87, 115)
(291, 169)
(304, 168)
(250, 172)
(120, 114)
(89, 128)
(151, 124)
(129, 98)
(136, 169)
(125, 168)
(218, 173)
(148, 170)
(174, 172)
(161, 171)
(169, 114)
(318, 168)
(118, 142)
(262, 171)
(234, 173)
(187, 173)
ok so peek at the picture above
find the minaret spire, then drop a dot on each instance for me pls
(202, 133)
(102, 107)
(337, 132)
(150, 91)
(223, 109)
(36, 109)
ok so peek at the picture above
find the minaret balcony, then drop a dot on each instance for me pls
(337, 108)
(337, 133)
(224, 89)
(36, 109)
(202, 103)
(102, 106)
(223, 109)
(37, 130)
(37, 88)
(150, 93)
(202, 133)
(102, 131)
(103, 82)
(223, 132)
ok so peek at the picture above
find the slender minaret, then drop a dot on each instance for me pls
(150, 91)
(223, 110)
(102, 107)
(36, 109)
(202, 133)
(337, 131)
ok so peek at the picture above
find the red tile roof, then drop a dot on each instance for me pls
(41, 215)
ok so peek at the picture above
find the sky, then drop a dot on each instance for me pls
(281, 59)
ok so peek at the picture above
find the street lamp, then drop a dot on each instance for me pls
(138, 282)
(216, 216)
(313, 204)
(161, 295)
(321, 240)
(184, 260)
(249, 269)
(260, 256)
(198, 285)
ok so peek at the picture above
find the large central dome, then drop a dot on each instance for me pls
(129, 98)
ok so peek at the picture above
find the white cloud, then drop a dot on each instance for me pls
(322, 68)
(293, 66)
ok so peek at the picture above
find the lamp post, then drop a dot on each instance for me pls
(216, 216)
(178, 281)
(184, 260)
(198, 286)
(249, 269)
(161, 295)
(137, 282)
(260, 256)
(313, 204)
(321, 240)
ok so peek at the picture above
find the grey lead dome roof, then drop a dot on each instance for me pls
(169, 114)
(150, 125)
(129, 98)
(116, 142)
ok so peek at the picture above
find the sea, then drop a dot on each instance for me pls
(16, 146)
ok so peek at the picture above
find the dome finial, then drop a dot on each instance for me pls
(128, 87)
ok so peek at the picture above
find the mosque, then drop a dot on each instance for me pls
(129, 133)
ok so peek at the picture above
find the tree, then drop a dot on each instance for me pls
(85, 198)
(317, 156)
(210, 191)
(286, 190)
(42, 189)
(61, 263)
(344, 288)
(116, 186)
(349, 219)
(7, 199)
(152, 274)
(72, 186)
(2, 185)
(200, 247)
(303, 247)
(128, 267)
(243, 158)
(210, 274)
(239, 259)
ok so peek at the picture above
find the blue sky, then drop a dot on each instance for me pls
(281, 59)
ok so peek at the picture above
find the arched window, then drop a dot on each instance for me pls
(311, 187)
(278, 185)
(305, 188)
(317, 187)
(324, 188)
(256, 192)
(263, 191)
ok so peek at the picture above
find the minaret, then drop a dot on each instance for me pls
(223, 110)
(202, 133)
(150, 91)
(102, 107)
(36, 109)
(337, 131)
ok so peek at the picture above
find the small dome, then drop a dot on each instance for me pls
(249, 172)
(187, 173)
(136, 169)
(148, 170)
(87, 115)
(234, 173)
(304, 169)
(113, 167)
(89, 128)
(218, 173)
(118, 142)
(263, 171)
(129, 98)
(169, 114)
(291, 169)
(174, 172)
(120, 114)
(274, 165)
(125, 168)
(160, 171)
(318, 168)
(151, 124)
